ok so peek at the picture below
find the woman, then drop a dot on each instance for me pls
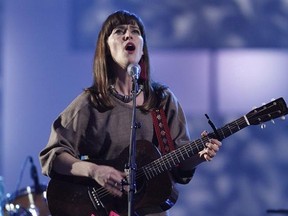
(96, 125)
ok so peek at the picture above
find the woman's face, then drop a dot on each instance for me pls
(126, 45)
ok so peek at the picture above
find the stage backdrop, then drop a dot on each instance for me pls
(221, 58)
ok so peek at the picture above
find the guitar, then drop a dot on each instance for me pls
(156, 191)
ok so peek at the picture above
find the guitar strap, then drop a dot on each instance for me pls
(162, 131)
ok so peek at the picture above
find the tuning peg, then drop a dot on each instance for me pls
(283, 117)
(263, 126)
(272, 120)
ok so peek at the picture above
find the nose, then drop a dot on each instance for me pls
(127, 35)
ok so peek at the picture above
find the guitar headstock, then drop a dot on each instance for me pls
(270, 111)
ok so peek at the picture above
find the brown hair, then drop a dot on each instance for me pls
(102, 73)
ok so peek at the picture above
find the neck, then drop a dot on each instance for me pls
(123, 82)
(126, 98)
(123, 85)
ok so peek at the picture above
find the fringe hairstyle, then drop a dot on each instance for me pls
(154, 93)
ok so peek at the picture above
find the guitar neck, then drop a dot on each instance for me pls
(172, 159)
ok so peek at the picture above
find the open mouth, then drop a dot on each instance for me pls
(130, 47)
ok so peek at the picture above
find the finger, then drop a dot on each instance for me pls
(118, 185)
(116, 177)
(207, 157)
(205, 154)
(109, 183)
(204, 133)
(216, 142)
(212, 146)
(114, 188)
(116, 191)
(211, 153)
(211, 150)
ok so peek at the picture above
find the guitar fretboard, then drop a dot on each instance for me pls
(174, 158)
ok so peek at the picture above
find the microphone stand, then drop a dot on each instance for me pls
(34, 176)
(132, 166)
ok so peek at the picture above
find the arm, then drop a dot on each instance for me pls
(180, 135)
(106, 176)
(62, 152)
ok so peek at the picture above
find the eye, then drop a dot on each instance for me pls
(118, 31)
(136, 31)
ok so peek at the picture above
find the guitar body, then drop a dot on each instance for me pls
(79, 196)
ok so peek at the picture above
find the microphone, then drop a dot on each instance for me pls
(34, 174)
(134, 70)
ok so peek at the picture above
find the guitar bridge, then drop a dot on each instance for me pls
(98, 205)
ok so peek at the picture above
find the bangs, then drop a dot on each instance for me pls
(123, 18)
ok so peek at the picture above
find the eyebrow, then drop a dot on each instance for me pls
(124, 26)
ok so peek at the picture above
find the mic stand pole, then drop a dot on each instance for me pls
(132, 153)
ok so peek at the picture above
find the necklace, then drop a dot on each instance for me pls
(124, 98)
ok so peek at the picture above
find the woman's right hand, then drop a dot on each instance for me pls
(106, 176)
(109, 178)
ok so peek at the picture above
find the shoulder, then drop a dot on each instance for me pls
(170, 94)
(82, 100)
(170, 97)
(80, 105)
(164, 95)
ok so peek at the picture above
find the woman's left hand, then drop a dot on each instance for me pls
(212, 147)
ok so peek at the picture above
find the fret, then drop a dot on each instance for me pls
(161, 165)
(157, 169)
(234, 127)
(238, 126)
(169, 162)
(154, 167)
(222, 132)
(151, 171)
(229, 129)
(182, 156)
(192, 147)
(162, 169)
(187, 152)
(166, 157)
(172, 159)
(166, 168)
(176, 157)
(145, 173)
(197, 146)
(203, 142)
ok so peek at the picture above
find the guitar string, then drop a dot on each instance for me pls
(186, 153)
(102, 192)
(180, 152)
(228, 129)
(150, 168)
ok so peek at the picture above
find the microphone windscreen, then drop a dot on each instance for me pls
(134, 70)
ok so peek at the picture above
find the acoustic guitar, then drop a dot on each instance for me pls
(156, 191)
